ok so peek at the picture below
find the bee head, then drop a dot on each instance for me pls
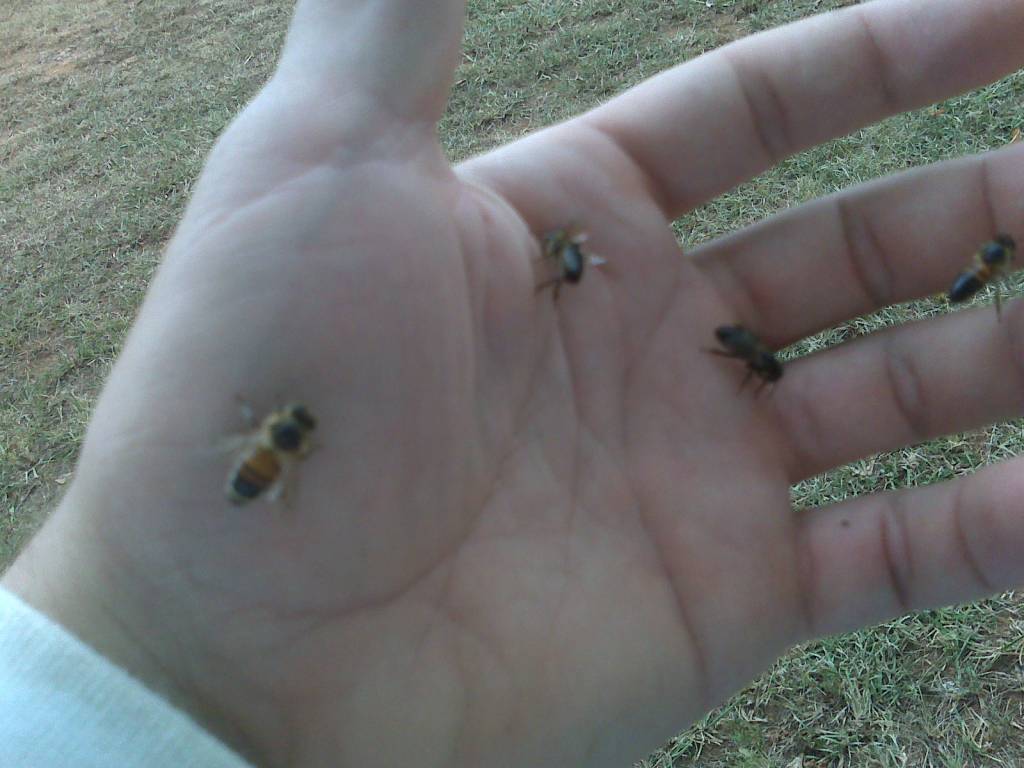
(286, 436)
(301, 416)
(996, 252)
(288, 431)
(735, 337)
(725, 332)
(1006, 241)
(1008, 244)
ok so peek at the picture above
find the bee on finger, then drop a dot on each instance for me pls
(268, 452)
(740, 344)
(563, 248)
(991, 261)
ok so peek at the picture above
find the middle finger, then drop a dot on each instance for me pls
(856, 251)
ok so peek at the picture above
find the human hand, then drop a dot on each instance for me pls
(533, 532)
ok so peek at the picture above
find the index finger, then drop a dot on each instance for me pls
(701, 128)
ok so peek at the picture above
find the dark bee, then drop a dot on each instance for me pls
(267, 452)
(563, 247)
(991, 261)
(741, 344)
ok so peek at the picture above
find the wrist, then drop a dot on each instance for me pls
(64, 574)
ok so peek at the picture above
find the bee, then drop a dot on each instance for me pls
(563, 247)
(991, 261)
(267, 452)
(741, 344)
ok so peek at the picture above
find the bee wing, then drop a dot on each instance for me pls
(230, 444)
(277, 489)
(280, 489)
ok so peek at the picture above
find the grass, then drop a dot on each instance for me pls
(107, 110)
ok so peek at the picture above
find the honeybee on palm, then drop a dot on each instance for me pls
(740, 344)
(267, 452)
(563, 247)
(991, 261)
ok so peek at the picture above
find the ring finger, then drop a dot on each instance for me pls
(901, 386)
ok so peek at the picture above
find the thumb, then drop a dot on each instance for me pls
(401, 54)
(353, 74)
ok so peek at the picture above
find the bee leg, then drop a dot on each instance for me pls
(553, 281)
(761, 386)
(999, 306)
(247, 413)
(281, 490)
(312, 445)
(746, 378)
(719, 352)
(275, 493)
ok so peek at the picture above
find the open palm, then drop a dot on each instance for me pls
(536, 532)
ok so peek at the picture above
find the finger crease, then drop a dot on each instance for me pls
(987, 199)
(740, 293)
(657, 187)
(1015, 347)
(864, 253)
(766, 110)
(891, 103)
(907, 391)
(896, 553)
(963, 544)
(807, 443)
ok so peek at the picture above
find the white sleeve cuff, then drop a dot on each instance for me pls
(62, 705)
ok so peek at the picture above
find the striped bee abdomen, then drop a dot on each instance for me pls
(255, 473)
(966, 285)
